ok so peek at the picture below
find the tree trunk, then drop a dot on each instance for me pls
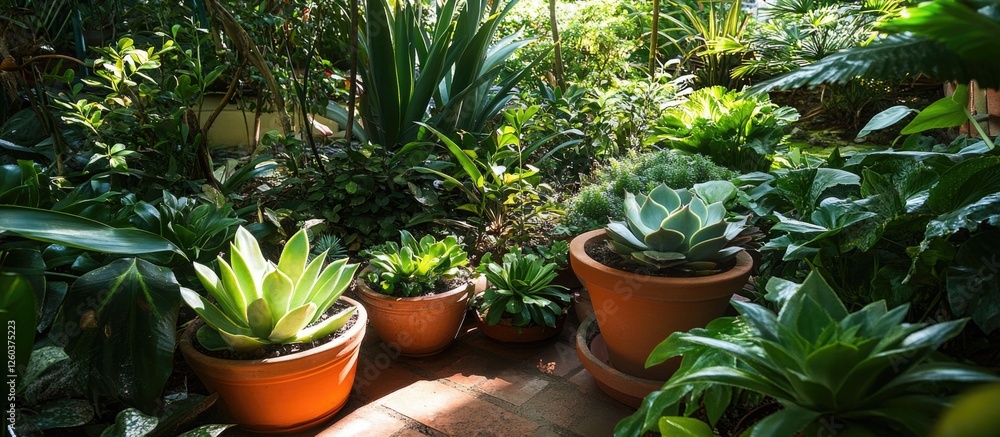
(558, 66)
(654, 36)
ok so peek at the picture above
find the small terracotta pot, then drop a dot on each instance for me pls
(284, 394)
(593, 353)
(419, 326)
(636, 312)
(505, 332)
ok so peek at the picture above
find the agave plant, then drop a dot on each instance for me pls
(259, 303)
(834, 372)
(412, 267)
(521, 288)
(673, 229)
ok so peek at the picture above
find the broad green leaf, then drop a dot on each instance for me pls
(735, 378)
(944, 113)
(17, 314)
(716, 191)
(259, 318)
(885, 119)
(786, 422)
(972, 282)
(211, 314)
(965, 183)
(294, 255)
(958, 26)
(288, 327)
(62, 413)
(75, 231)
(179, 414)
(127, 314)
(41, 360)
(131, 422)
(675, 426)
(278, 292)
(326, 327)
(206, 431)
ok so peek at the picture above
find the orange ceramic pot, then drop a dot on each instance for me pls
(505, 332)
(284, 394)
(636, 312)
(418, 326)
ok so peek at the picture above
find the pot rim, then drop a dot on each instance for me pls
(577, 253)
(365, 292)
(186, 343)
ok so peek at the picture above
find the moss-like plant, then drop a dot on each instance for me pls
(604, 199)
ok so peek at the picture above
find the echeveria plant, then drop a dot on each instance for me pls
(673, 229)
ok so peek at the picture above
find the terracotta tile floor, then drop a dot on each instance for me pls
(474, 388)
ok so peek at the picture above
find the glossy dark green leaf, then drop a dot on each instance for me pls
(885, 119)
(965, 183)
(684, 427)
(786, 422)
(17, 314)
(130, 422)
(973, 283)
(944, 113)
(75, 231)
(125, 315)
(62, 413)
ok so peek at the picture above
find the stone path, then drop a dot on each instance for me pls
(474, 388)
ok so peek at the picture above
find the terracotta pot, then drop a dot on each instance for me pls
(418, 326)
(284, 394)
(505, 332)
(636, 312)
(593, 354)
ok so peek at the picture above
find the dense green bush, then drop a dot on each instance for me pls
(600, 38)
(602, 199)
(737, 130)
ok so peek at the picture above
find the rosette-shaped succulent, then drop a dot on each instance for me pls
(673, 229)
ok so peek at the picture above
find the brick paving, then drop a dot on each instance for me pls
(476, 387)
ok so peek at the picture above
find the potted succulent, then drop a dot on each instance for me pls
(291, 314)
(521, 304)
(671, 265)
(413, 292)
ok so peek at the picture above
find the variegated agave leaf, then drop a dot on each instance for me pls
(259, 303)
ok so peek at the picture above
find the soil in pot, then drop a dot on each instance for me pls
(286, 393)
(417, 326)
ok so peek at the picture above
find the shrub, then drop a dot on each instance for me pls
(603, 198)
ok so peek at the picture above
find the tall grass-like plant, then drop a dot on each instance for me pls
(695, 31)
(443, 76)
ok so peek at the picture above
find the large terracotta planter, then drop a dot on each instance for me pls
(284, 394)
(506, 333)
(637, 312)
(418, 326)
(593, 353)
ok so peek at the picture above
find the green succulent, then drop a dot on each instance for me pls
(259, 303)
(673, 229)
(412, 267)
(522, 289)
(833, 371)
